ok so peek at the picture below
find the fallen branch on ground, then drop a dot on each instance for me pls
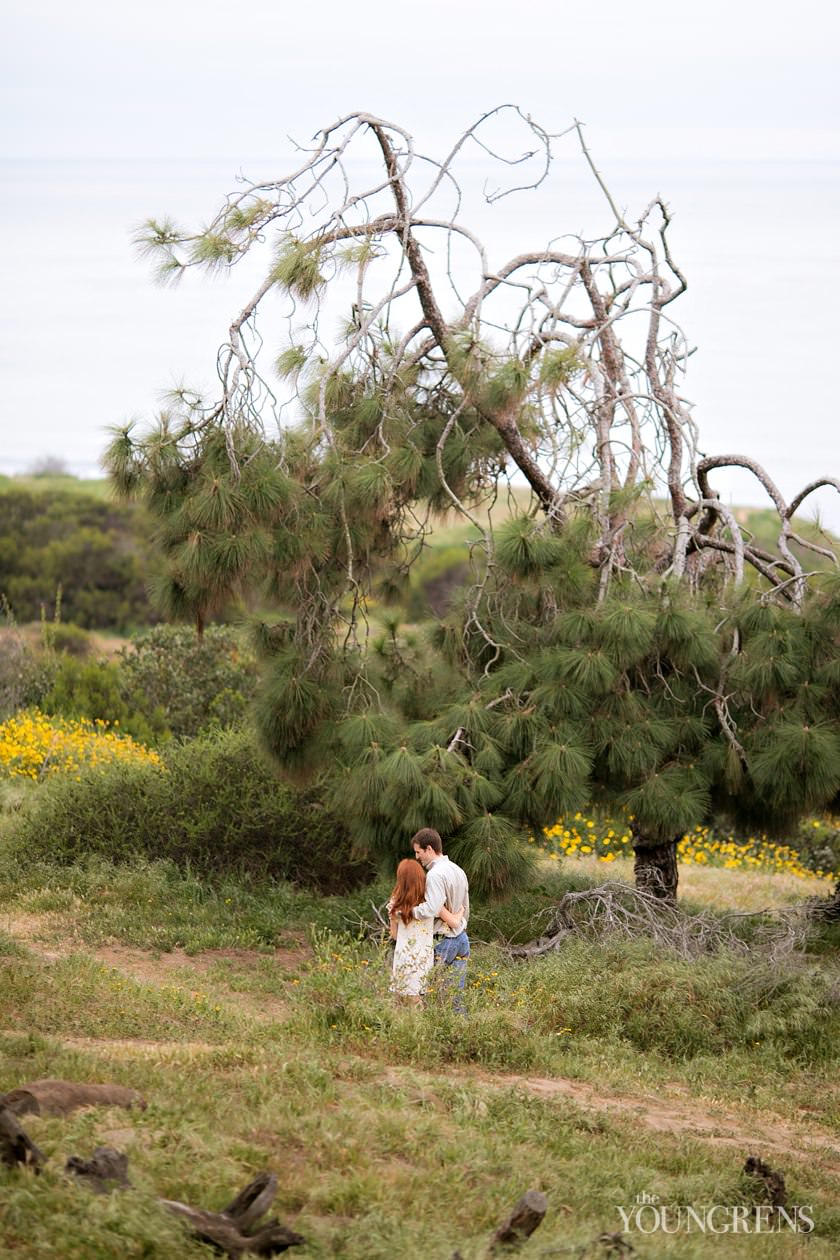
(616, 909)
(774, 1182)
(106, 1170)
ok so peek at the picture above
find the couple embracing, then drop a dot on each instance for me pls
(429, 910)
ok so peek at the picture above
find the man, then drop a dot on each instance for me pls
(446, 885)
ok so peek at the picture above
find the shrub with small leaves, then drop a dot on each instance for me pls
(196, 682)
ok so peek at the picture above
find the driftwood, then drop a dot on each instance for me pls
(106, 1170)
(774, 1182)
(16, 1147)
(825, 909)
(227, 1229)
(520, 1225)
(57, 1098)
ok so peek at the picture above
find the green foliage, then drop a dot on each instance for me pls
(215, 807)
(506, 385)
(669, 801)
(297, 268)
(291, 361)
(165, 682)
(491, 848)
(686, 637)
(291, 703)
(213, 250)
(527, 547)
(89, 549)
(612, 704)
(797, 765)
(211, 517)
(558, 368)
(192, 683)
(98, 689)
(63, 637)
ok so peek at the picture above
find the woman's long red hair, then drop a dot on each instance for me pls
(409, 890)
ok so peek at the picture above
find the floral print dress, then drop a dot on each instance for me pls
(414, 956)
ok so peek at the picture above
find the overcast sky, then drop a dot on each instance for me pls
(114, 112)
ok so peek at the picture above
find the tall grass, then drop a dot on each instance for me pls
(386, 1125)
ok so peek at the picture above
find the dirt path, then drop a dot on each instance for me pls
(174, 968)
(712, 1123)
(673, 1112)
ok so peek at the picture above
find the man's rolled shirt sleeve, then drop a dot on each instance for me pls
(435, 898)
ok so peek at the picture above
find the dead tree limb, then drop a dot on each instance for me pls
(616, 909)
(252, 1202)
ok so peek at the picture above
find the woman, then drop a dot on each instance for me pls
(414, 955)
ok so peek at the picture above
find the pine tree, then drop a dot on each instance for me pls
(618, 640)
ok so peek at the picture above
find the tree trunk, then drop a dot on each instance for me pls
(655, 865)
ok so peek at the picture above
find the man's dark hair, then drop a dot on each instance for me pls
(427, 838)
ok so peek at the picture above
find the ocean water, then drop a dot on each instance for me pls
(88, 341)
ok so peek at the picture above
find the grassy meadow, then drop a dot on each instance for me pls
(257, 1023)
(256, 1020)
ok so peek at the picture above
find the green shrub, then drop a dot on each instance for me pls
(96, 689)
(93, 550)
(817, 841)
(196, 683)
(63, 636)
(25, 675)
(216, 807)
(167, 682)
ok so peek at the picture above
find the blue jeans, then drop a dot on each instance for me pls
(453, 953)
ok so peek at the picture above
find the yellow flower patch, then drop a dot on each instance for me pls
(33, 746)
(608, 839)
